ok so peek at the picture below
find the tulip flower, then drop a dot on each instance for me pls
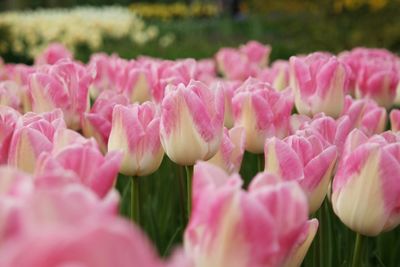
(395, 120)
(135, 132)
(308, 160)
(93, 170)
(334, 132)
(231, 227)
(53, 53)
(97, 122)
(230, 154)
(10, 95)
(191, 122)
(136, 83)
(378, 80)
(32, 136)
(277, 75)
(107, 70)
(63, 85)
(235, 65)
(365, 115)
(262, 111)
(229, 88)
(319, 82)
(15, 186)
(375, 74)
(256, 52)
(366, 188)
(75, 228)
(8, 122)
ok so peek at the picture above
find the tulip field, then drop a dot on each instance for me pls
(227, 161)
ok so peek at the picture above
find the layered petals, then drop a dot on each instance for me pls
(191, 123)
(366, 187)
(316, 80)
(135, 132)
(263, 113)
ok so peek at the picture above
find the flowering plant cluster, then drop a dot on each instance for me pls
(28, 33)
(174, 10)
(316, 122)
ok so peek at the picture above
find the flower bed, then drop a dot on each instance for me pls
(285, 162)
(27, 33)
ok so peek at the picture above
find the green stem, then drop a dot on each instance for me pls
(135, 200)
(260, 162)
(182, 194)
(329, 232)
(189, 174)
(321, 237)
(357, 255)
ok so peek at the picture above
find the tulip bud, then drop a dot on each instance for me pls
(308, 160)
(262, 111)
(366, 188)
(277, 75)
(135, 132)
(230, 154)
(53, 53)
(8, 122)
(231, 227)
(319, 82)
(33, 135)
(63, 85)
(97, 122)
(10, 95)
(191, 123)
(256, 53)
(365, 115)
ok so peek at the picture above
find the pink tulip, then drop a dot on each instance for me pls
(366, 188)
(206, 70)
(307, 159)
(235, 65)
(334, 132)
(395, 120)
(135, 132)
(10, 95)
(97, 122)
(136, 82)
(75, 229)
(229, 88)
(15, 186)
(93, 170)
(107, 70)
(300, 250)
(262, 111)
(32, 136)
(374, 73)
(191, 123)
(319, 82)
(277, 75)
(230, 154)
(256, 52)
(19, 74)
(8, 122)
(378, 80)
(63, 85)
(365, 115)
(53, 53)
(231, 227)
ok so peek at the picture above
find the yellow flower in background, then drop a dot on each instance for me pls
(30, 32)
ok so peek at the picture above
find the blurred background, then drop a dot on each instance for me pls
(194, 28)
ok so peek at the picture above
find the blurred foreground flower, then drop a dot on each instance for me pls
(231, 227)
